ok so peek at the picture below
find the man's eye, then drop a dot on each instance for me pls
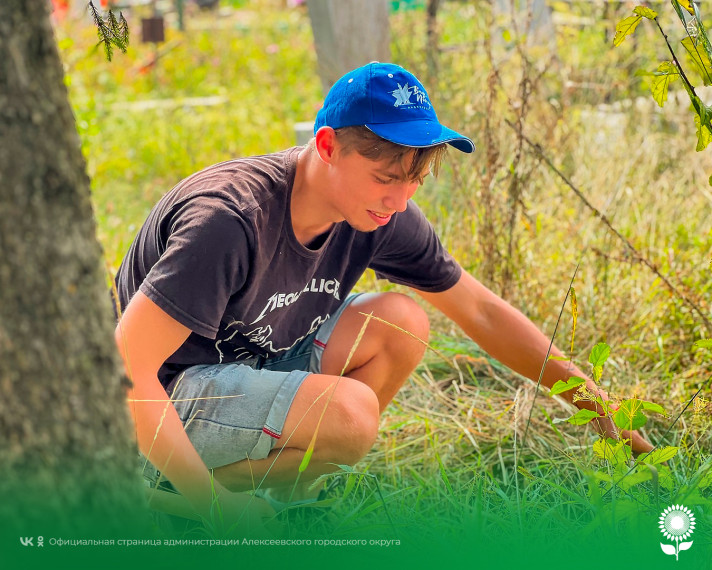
(380, 180)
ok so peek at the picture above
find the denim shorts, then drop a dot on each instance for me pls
(237, 411)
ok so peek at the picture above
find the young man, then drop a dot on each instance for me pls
(235, 298)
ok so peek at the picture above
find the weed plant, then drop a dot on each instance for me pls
(450, 461)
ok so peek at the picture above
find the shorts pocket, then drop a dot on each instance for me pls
(220, 445)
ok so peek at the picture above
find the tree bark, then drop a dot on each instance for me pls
(432, 48)
(68, 462)
(348, 34)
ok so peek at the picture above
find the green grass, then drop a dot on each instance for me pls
(445, 462)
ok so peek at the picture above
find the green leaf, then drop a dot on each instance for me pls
(706, 481)
(702, 35)
(704, 133)
(625, 27)
(705, 342)
(565, 385)
(124, 29)
(630, 415)
(665, 478)
(604, 447)
(645, 12)
(583, 417)
(597, 372)
(306, 459)
(661, 455)
(611, 450)
(554, 357)
(652, 407)
(699, 58)
(601, 476)
(599, 354)
(661, 79)
(634, 478)
(350, 485)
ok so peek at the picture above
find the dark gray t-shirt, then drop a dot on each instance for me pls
(219, 255)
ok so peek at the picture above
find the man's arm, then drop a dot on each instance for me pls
(146, 337)
(510, 337)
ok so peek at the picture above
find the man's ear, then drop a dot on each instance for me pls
(326, 144)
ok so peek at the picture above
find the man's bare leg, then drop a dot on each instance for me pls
(388, 353)
(346, 413)
(383, 360)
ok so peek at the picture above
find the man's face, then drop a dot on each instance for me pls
(367, 193)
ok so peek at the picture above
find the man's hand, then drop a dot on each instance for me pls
(605, 425)
(637, 442)
(146, 336)
(489, 321)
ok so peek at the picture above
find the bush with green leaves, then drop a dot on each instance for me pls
(699, 56)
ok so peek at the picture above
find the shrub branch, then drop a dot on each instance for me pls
(112, 32)
(636, 254)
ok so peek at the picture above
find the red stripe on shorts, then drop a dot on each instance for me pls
(319, 343)
(271, 433)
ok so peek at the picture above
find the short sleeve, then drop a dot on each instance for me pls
(413, 255)
(204, 261)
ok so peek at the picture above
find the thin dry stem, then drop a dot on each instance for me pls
(636, 254)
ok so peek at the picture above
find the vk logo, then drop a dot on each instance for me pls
(27, 541)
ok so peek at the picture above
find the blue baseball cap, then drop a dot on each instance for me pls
(392, 103)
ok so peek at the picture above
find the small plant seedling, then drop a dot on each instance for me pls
(628, 414)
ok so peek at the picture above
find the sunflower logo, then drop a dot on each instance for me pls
(677, 523)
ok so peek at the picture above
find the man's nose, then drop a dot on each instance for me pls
(398, 196)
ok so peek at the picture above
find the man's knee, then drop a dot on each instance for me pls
(354, 425)
(399, 312)
(348, 426)
(390, 348)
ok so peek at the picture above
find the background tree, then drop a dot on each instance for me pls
(348, 34)
(67, 459)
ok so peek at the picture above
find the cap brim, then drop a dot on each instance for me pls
(421, 134)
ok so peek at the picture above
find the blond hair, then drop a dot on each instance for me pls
(415, 163)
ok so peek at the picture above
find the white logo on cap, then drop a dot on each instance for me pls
(404, 93)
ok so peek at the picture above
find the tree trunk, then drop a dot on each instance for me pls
(348, 34)
(432, 48)
(67, 458)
